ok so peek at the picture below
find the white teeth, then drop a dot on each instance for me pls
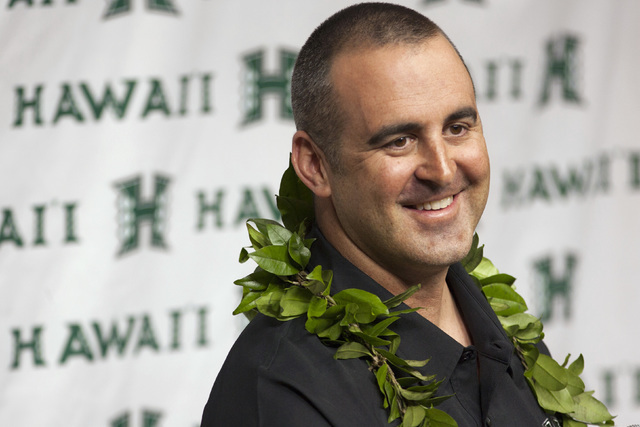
(438, 204)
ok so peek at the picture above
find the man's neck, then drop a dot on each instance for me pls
(436, 301)
(440, 308)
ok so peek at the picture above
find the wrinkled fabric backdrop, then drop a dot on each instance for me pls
(136, 137)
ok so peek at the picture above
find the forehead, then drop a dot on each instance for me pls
(401, 82)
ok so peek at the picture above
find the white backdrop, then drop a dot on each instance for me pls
(137, 136)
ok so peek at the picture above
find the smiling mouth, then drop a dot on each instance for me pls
(435, 205)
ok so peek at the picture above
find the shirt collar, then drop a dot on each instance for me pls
(483, 325)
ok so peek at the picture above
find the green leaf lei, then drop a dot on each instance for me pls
(358, 322)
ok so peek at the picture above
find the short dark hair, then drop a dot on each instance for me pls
(316, 109)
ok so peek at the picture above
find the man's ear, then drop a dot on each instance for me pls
(310, 164)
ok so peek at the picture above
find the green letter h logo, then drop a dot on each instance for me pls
(554, 286)
(132, 211)
(257, 84)
(562, 67)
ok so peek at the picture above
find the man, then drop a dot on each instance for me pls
(390, 142)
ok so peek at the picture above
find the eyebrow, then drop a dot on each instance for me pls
(463, 113)
(389, 130)
(395, 129)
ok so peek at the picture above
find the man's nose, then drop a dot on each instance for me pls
(436, 163)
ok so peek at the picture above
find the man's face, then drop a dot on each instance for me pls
(414, 171)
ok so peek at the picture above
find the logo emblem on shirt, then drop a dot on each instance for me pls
(551, 422)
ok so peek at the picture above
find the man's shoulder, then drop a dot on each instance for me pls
(265, 340)
(279, 365)
(286, 348)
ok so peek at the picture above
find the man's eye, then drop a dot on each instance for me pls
(399, 142)
(457, 130)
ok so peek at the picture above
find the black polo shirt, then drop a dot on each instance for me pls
(278, 374)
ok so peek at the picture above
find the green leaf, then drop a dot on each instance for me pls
(431, 387)
(307, 242)
(295, 301)
(413, 416)
(409, 310)
(247, 303)
(530, 356)
(278, 235)
(381, 376)
(439, 418)
(558, 400)
(367, 306)
(510, 330)
(399, 299)
(522, 325)
(426, 391)
(389, 335)
(317, 307)
(332, 333)
(405, 365)
(244, 256)
(269, 302)
(350, 312)
(395, 344)
(575, 385)
(473, 258)
(263, 225)
(549, 374)
(504, 295)
(498, 305)
(330, 318)
(298, 251)
(275, 259)
(393, 359)
(485, 269)
(415, 395)
(294, 200)
(436, 400)
(407, 382)
(394, 411)
(532, 334)
(333, 313)
(379, 327)
(416, 363)
(315, 325)
(498, 278)
(590, 410)
(352, 350)
(521, 320)
(258, 240)
(577, 366)
(315, 287)
(258, 280)
(323, 276)
(568, 422)
(291, 211)
(372, 340)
